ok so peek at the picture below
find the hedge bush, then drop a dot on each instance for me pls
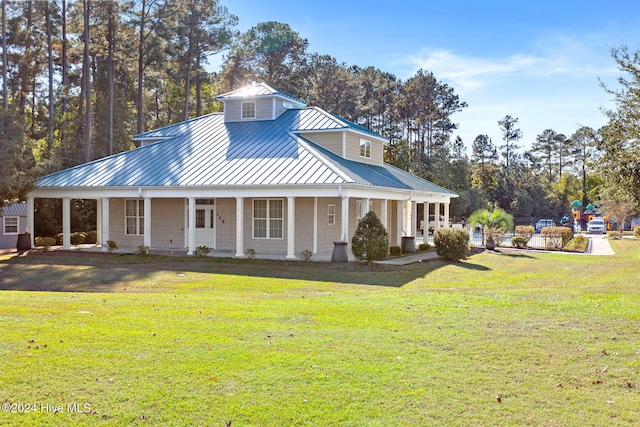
(370, 241)
(519, 241)
(526, 231)
(78, 238)
(556, 237)
(636, 231)
(395, 250)
(452, 244)
(45, 241)
(91, 237)
(577, 244)
(424, 246)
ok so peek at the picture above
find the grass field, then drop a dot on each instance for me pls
(499, 339)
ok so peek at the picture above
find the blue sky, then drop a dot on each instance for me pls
(540, 61)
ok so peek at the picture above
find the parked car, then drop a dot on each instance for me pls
(544, 223)
(597, 225)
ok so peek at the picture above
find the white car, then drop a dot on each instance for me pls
(596, 225)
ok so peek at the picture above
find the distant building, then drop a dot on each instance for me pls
(14, 221)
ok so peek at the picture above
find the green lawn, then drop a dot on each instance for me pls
(500, 339)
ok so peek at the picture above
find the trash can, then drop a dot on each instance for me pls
(24, 242)
(408, 244)
(339, 252)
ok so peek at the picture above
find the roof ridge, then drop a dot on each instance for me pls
(330, 165)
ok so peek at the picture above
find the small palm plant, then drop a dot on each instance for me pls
(494, 223)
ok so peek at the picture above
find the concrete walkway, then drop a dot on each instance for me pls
(410, 259)
(599, 245)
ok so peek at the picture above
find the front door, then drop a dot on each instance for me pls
(205, 223)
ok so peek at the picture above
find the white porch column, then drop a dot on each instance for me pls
(365, 207)
(345, 219)
(446, 215)
(104, 222)
(315, 225)
(239, 226)
(400, 221)
(66, 223)
(425, 220)
(31, 220)
(383, 214)
(413, 219)
(191, 232)
(147, 222)
(437, 216)
(291, 227)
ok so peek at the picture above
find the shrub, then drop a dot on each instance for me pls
(143, 249)
(91, 237)
(577, 244)
(370, 241)
(519, 241)
(526, 231)
(452, 244)
(78, 238)
(58, 238)
(613, 235)
(202, 251)
(395, 250)
(251, 253)
(556, 237)
(424, 246)
(111, 245)
(306, 255)
(46, 242)
(636, 231)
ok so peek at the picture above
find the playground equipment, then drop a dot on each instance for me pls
(582, 217)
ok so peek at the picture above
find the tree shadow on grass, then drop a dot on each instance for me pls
(68, 271)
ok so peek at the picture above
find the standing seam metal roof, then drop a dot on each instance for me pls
(208, 152)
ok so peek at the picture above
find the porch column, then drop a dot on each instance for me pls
(400, 221)
(315, 225)
(147, 222)
(66, 223)
(31, 220)
(446, 215)
(291, 227)
(104, 222)
(425, 220)
(191, 229)
(437, 216)
(383, 214)
(413, 219)
(239, 226)
(345, 219)
(365, 207)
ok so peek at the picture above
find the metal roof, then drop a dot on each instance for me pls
(15, 209)
(259, 90)
(209, 152)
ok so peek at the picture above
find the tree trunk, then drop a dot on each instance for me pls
(87, 82)
(63, 125)
(111, 48)
(50, 58)
(5, 94)
(141, 66)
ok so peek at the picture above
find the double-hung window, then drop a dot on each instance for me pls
(268, 218)
(134, 217)
(331, 214)
(10, 225)
(365, 148)
(248, 110)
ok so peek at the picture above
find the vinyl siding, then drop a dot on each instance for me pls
(264, 109)
(332, 141)
(167, 223)
(327, 234)
(116, 226)
(226, 223)
(353, 150)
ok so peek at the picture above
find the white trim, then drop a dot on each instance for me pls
(291, 227)
(367, 148)
(315, 225)
(344, 236)
(66, 223)
(4, 225)
(191, 225)
(239, 226)
(268, 218)
(331, 216)
(147, 222)
(104, 223)
(139, 231)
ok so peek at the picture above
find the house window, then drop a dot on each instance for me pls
(268, 218)
(134, 217)
(248, 110)
(10, 225)
(331, 214)
(365, 148)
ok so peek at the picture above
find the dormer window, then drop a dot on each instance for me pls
(365, 148)
(248, 110)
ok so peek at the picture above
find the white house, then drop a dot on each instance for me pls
(269, 173)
